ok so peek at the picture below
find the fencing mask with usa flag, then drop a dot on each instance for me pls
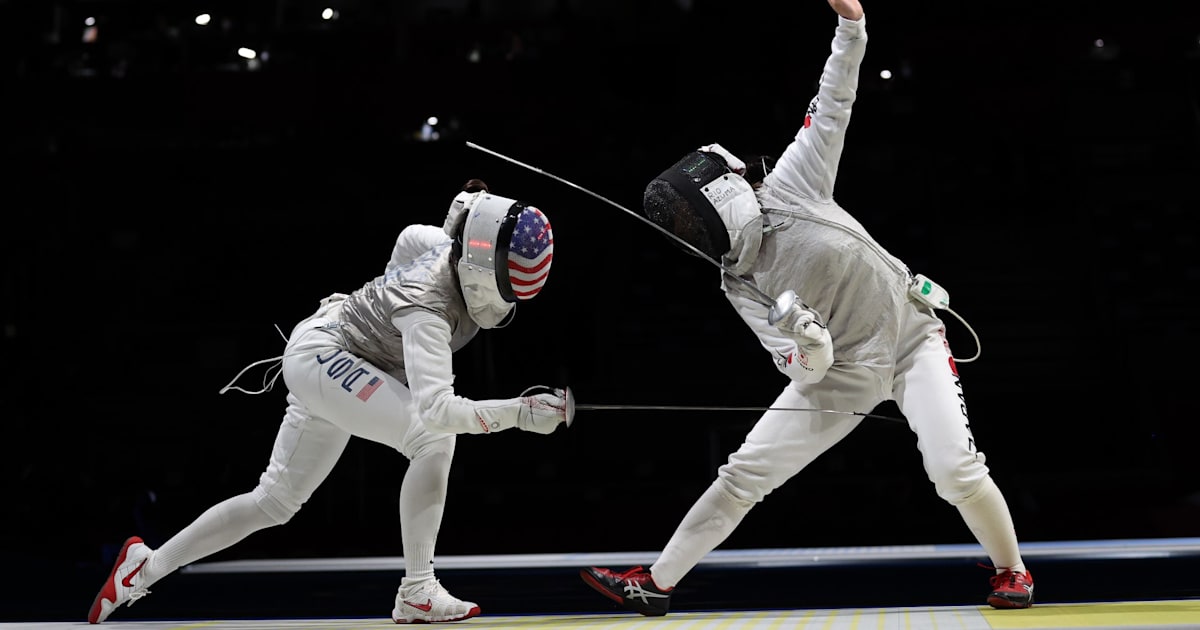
(504, 254)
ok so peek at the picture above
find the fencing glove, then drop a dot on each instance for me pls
(543, 411)
(814, 354)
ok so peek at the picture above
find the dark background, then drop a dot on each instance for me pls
(169, 203)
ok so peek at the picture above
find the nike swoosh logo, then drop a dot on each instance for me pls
(421, 607)
(128, 581)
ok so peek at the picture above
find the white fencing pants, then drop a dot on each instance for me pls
(332, 396)
(924, 385)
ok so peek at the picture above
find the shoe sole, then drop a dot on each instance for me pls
(474, 612)
(1002, 602)
(110, 588)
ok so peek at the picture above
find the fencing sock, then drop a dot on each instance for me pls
(710, 521)
(986, 513)
(422, 501)
(219, 527)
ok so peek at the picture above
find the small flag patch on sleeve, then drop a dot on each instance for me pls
(369, 388)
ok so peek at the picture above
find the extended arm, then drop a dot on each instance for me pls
(809, 164)
(429, 367)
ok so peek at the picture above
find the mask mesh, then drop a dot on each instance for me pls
(671, 210)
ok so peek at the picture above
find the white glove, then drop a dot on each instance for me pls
(812, 337)
(733, 162)
(542, 413)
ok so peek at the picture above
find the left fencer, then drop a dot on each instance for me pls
(377, 364)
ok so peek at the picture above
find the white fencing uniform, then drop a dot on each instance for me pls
(377, 364)
(885, 345)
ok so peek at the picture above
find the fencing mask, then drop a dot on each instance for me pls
(504, 251)
(704, 200)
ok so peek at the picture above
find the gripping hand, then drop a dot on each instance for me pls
(542, 412)
(800, 323)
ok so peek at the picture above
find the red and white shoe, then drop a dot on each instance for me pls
(126, 582)
(428, 602)
(1011, 589)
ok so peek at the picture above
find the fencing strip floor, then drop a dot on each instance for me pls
(1145, 615)
(1164, 596)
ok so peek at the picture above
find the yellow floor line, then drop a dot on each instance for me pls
(1102, 615)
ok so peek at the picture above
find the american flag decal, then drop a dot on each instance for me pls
(368, 389)
(530, 253)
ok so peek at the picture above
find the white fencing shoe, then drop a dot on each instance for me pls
(428, 602)
(125, 583)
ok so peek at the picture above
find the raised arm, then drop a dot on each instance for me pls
(809, 164)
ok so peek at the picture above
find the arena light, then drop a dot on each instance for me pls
(885, 74)
(247, 53)
(429, 132)
(328, 14)
(1105, 50)
(203, 19)
(89, 21)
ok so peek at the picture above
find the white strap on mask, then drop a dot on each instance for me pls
(458, 207)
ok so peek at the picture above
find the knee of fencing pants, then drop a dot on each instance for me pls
(735, 498)
(421, 442)
(437, 443)
(958, 479)
(743, 485)
(279, 511)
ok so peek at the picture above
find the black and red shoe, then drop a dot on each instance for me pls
(1011, 589)
(634, 589)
